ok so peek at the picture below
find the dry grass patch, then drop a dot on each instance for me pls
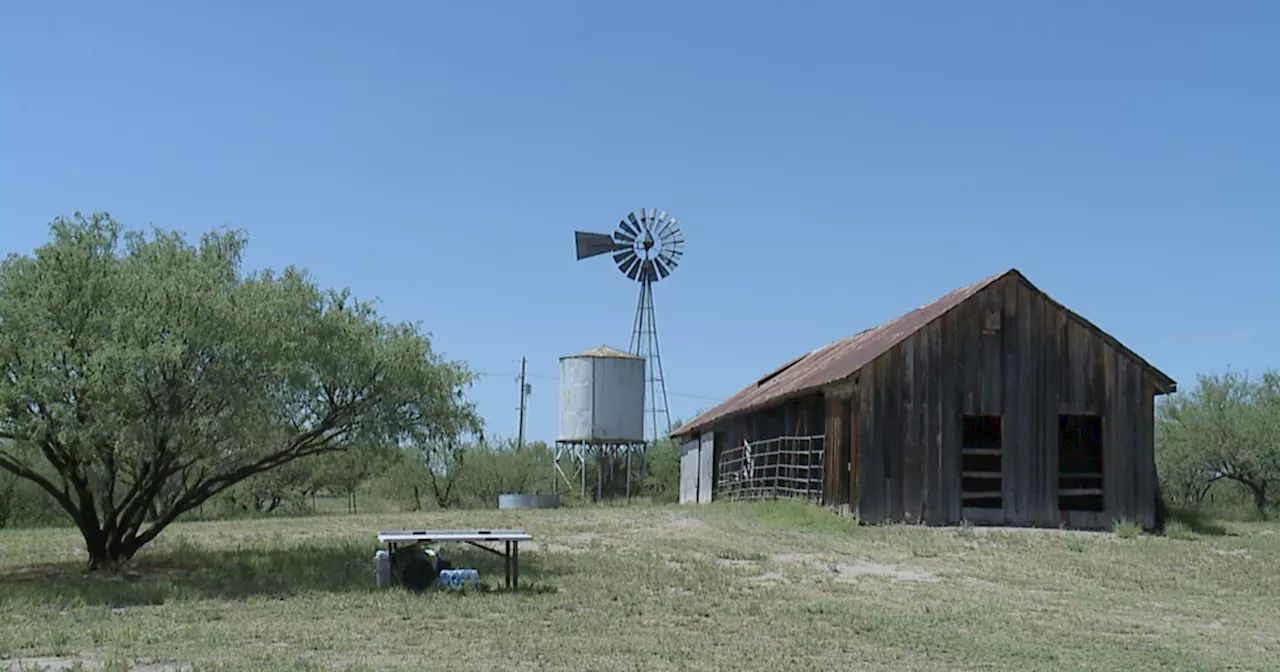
(769, 586)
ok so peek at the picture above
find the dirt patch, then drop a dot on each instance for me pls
(801, 559)
(620, 539)
(59, 663)
(685, 523)
(852, 572)
(998, 530)
(574, 543)
(768, 578)
(556, 548)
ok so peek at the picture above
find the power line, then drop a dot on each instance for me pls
(524, 397)
(689, 395)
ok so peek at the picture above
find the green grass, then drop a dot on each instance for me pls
(723, 586)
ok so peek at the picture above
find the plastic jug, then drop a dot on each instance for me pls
(382, 568)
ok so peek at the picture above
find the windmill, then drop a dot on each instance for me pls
(646, 247)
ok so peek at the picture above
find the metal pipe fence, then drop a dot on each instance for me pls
(785, 467)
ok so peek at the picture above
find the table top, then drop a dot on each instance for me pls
(453, 535)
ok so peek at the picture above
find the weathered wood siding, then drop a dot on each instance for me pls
(1009, 352)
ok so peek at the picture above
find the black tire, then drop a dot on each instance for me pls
(413, 568)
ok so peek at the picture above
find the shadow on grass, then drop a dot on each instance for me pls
(179, 572)
(1199, 522)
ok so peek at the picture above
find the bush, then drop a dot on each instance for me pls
(25, 504)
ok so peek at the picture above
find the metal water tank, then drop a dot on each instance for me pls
(528, 501)
(602, 397)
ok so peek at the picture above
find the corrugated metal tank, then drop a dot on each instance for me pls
(602, 397)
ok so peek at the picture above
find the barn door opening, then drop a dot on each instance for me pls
(1080, 463)
(981, 485)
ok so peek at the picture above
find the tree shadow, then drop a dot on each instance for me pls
(192, 573)
(1199, 522)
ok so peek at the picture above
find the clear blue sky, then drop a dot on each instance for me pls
(834, 164)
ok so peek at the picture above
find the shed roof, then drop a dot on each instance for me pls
(839, 360)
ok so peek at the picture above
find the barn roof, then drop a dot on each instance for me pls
(839, 360)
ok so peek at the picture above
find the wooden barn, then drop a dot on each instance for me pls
(994, 405)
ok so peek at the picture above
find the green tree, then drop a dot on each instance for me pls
(489, 469)
(288, 486)
(344, 472)
(1226, 429)
(143, 375)
(662, 482)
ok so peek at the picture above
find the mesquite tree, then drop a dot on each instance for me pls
(141, 375)
(1227, 428)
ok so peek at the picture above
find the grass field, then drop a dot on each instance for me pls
(721, 587)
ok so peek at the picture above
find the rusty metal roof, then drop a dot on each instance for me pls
(839, 360)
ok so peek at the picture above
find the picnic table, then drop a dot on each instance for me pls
(477, 538)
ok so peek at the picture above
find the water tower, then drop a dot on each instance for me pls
(601, 413)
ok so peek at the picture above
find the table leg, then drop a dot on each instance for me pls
(515, 565)
(506, 558)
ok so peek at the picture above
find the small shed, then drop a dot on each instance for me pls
(994, 405)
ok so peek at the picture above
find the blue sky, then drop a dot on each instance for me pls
(833, 164)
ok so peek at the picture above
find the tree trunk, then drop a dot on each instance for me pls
(107, 551)
(1259, 497)
(97, 549)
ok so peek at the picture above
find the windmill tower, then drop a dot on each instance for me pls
(646, 247)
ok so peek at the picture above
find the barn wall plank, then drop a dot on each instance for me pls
(913, 408)
(932, 500)
(1014, 402)
(852, 407)
(871, 471)
(831, 456)
(892, 364)
(991, 340)
(1051, 369)
(950, 406)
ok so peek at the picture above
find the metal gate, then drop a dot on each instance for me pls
(785, 467)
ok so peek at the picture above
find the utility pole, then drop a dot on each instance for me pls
(524, 395)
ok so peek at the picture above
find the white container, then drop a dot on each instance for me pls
(382, 568)
(458, 578)
(602, 397)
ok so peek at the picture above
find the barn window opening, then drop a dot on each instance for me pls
(1080, 463)
(981, 484)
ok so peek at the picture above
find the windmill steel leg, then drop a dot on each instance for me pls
(645, 344)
